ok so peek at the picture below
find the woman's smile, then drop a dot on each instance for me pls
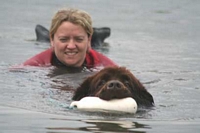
(71, 53)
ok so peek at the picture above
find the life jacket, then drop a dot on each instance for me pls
(93, 59)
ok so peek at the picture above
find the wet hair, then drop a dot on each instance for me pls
(75, 16)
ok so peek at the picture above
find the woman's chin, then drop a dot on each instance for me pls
(72, 64)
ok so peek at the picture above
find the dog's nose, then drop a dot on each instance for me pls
(114, 84)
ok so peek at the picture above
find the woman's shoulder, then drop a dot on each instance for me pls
(41, 59)
(96, 58)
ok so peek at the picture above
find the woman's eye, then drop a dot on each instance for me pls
(63, 39)
(79, 39)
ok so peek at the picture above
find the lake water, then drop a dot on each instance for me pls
(158, 40)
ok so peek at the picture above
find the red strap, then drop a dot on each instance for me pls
(93, 59)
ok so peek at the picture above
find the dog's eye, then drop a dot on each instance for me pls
(126, 83)
(102, 82)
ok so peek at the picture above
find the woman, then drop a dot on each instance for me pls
(70, 37)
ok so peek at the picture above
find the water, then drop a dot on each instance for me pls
(157, 40)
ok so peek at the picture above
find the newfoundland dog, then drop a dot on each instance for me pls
(114, 83)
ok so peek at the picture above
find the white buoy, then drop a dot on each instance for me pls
(127, 105)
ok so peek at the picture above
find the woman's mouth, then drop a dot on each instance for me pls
(71, 53)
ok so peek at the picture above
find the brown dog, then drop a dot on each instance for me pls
(114, 83)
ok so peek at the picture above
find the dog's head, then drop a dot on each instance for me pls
(114, 83)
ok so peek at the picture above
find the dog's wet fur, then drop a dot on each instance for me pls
(114, 83)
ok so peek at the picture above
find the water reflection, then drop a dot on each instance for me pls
(111, 126)
(115, 126)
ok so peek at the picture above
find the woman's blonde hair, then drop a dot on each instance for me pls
(74, 16)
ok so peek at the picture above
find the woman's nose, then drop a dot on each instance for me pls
(71, 44)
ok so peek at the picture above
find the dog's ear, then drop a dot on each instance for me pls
(83, 89)
(141, 95)
(143, 98)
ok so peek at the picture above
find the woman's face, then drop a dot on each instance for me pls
(70, 44)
